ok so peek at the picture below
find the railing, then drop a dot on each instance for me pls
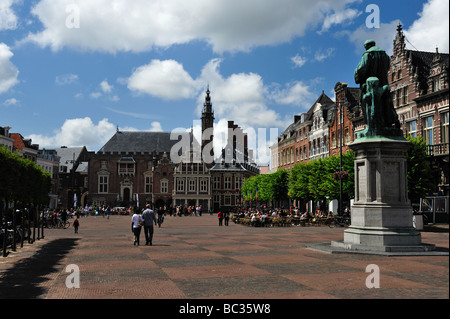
(437, 149)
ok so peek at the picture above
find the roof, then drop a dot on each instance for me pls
(67, 155)
(141, 142)
(423, 62)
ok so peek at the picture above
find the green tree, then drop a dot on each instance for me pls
(419, 173)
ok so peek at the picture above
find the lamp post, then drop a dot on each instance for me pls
(341, 105)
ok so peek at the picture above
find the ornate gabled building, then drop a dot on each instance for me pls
(319, 132)
(231, 170)
(132, 169)
(307, 138)
(345, 118)
(72, 176)
(420, 92)
(192, 180)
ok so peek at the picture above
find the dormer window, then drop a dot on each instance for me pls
(126, 166)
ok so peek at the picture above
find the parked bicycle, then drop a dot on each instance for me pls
(11, 233)
(339, 221)
(59, 223)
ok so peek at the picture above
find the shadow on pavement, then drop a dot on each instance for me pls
(23, 280)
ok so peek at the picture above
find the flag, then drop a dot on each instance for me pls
(137, 200)
(75, 200)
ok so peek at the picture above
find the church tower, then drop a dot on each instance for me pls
(207, 120)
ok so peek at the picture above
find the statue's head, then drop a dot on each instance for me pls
(368, 44)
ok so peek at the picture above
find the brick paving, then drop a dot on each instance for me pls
(194, 258)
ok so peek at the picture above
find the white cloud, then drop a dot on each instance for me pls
(141, 25)
(322, 55)
(66, 79)
(298, 61)
(11, 102)
(164, 79)
(431, 29)
(339, 17)
(8, 19)
(240, 96)
(156, 127)
(295, 93)
(78, 132)
(95, 95)
(8, 71)
(106, 87)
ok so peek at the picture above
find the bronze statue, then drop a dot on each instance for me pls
(376, 101)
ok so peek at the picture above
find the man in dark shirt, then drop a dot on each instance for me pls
(149, 219)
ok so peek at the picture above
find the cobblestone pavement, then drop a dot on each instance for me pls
(193, 258)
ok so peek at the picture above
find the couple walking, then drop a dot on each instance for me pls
(147, 219)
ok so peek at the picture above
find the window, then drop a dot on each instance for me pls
(104, 164)
(238, 183)
(411, 128)
(126, 166)
(164, 186)
(444, 128)
(227, 182)
(347, 136)
(148, 184)
(103, 184)
(227, 200)
(436, 85)
(428, 124)
(180, 185)
(405, 95)
(216, 182)
(192, 185)
(399, 97)
(203, 185)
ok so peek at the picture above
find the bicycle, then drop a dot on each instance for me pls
(340, 221)
(62, 224)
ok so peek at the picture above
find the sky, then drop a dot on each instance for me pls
(73, 71)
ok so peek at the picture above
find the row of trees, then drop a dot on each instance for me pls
(319, 180)
(22, 181)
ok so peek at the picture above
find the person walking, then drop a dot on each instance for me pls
(226, 216)
(161, 213)
(220, 216)
(149, 219)
(136, 224)
(76, 224)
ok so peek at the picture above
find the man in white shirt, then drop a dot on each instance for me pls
(136, 219)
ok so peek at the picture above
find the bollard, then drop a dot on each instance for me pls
(5, 228)
(13, 247)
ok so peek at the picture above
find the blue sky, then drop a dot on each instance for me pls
(71, 71)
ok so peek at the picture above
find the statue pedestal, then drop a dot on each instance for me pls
(381, 217)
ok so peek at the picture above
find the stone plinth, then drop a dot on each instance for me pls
(381, 217)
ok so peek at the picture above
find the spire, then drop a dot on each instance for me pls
(207, 107)
(399, 41)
